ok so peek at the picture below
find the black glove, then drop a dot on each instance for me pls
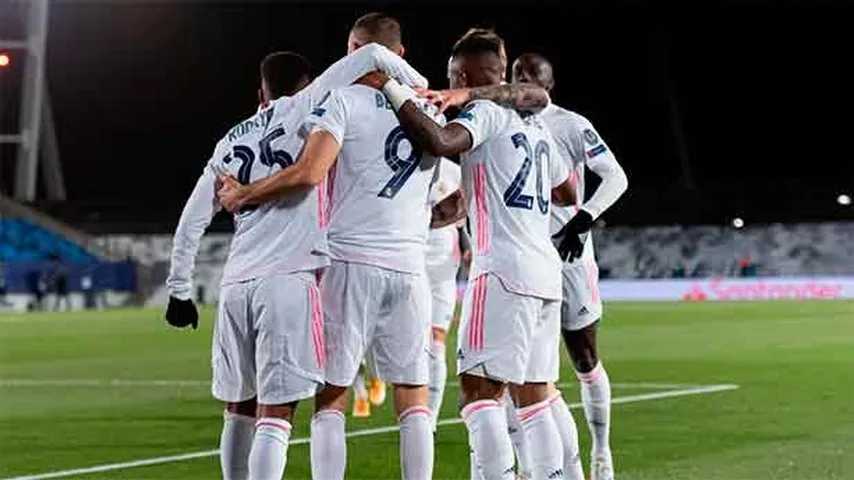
(571, 246)
(181, 313)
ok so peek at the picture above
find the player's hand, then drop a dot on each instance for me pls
(375, 79)
(449, 210)
(230, 193)
(181, 313)
(444, 99)
(571, 246)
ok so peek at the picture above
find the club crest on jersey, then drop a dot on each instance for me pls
(590, 136)
(596, 151)
(466, 113)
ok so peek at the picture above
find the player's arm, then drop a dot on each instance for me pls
(614, 183)
(317, 157)
(369, 58)
(450, 210)
(195, 218)
(439, 141)
(523, 97)
(323, 131)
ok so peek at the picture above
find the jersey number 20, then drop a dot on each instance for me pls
(513, 196)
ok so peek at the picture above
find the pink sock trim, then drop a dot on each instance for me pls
(414, 411)
(473, 407)
(592, 375)
(279, 423)
(531, 411)
(328, 412)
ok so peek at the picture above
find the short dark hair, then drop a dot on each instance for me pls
(381, 28)
(479, 40)
(285, 72)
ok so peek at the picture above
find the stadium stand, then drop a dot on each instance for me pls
(717, 251)
(624, 253)
(41, 256)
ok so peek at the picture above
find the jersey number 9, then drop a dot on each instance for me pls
(403, 168)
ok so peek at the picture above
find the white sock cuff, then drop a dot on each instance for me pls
(437, 347)
(330, 413)
(532, 411)
(236, 417)
(474, 407)
(278, 428)
(592, 375)
(416, 410)
(274, 422)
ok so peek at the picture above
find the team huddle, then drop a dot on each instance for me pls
(352, 195)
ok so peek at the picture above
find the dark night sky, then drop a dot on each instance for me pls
(142, 91)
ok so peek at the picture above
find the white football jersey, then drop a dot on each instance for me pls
(580, 145)
(282, 236)
(443, 249)
(508, 175)
(379, 186)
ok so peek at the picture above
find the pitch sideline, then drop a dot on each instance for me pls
(698, 390)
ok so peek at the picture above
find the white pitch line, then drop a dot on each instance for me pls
(96, 382)
(699, 390)
(116, 382)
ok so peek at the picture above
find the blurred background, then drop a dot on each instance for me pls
(730, 119)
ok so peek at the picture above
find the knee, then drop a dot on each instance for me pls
(283, 411)
(247, 408)
(585, 362)
(408, 396)
(332, 397)
(529, 394)
(474, 388)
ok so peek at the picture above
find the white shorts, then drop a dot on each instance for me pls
(443, 293)
(582, 304)
(376, 310)
(506, 336)
(268, 340)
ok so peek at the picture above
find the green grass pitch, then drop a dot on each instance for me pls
(792, 416)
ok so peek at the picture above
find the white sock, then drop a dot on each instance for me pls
(416, 443)
(596, 398)
(487, 426)
(438, 378)
(474, 467)
(269, 449)
(517, 437)
(235, 443)
(539, 426)
(328, 445)
(572, 469)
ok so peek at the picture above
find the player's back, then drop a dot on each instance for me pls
(280, 236)
(379, 186)
(508, 176)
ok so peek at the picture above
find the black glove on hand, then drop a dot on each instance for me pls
(571, 246)
(181, 313)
